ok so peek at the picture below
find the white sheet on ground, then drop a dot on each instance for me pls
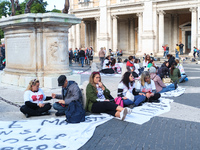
(175, 93)
(145, 112)
(52, 133)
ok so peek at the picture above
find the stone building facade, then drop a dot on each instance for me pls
(136, 26)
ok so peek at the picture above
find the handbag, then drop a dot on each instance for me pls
(119, 101)
(166, 80)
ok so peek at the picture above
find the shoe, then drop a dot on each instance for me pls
(123, 114)
(59, 114)
(175, 85)
(129, 110)
(131, 106)
(27, 115)
(45, 113)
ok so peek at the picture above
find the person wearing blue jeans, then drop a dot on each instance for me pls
(126, 85)
(138, 99)
(170, 87)
(183, 76)
(82, 60)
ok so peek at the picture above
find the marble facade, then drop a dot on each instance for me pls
(136, 26)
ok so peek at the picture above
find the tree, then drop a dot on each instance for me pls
(4, 10)
(56, 10)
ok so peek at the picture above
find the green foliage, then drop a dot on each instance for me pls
(38, 6)
(56, 10)
(4, 8)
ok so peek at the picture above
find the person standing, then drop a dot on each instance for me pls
(70, 56)
(177, 50)
(101, 56)
(167, 50)
(76, 55)
(82, 56)
(164, 47)
(181, 48)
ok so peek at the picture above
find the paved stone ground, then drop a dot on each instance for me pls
(177, 129)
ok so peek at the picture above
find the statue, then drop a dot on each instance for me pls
(66, 7)
(30, 2)
(28, 6)
(13, 6)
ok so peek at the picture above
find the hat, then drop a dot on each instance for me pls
(152, 70)
(61, 80)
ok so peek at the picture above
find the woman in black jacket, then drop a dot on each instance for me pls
(171, 59)
(164, 70)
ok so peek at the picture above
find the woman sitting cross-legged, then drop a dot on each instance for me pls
(127, 86)
(98, 95)
(174, 73)
(160, 86)
(34, 101)
(147, 86)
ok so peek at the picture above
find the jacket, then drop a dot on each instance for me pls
(130, 66)
(91, 96)
(101, 53)
(163, 71)
(171, 61)
(158, 82)
(82, 54)
(70, 93)
(176, 75)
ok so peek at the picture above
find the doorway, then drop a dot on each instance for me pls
(187, 42)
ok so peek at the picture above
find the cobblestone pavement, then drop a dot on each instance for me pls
(177, 129)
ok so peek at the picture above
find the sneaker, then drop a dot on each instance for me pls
(129, 110)
(59, 114)
(132, 106)
(123, 114)
(27, 115)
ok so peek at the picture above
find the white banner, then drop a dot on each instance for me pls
(48, 134)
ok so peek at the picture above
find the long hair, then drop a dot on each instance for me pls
(173, 66)
(91, 80)
(143, 76)
(147, 56)
(32, 83)
(125, 79)
(113, 62)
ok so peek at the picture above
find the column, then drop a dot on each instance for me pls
(198, 18)
(132, 36)
(139, 32)
(183, 39)
(78, 36)
(161, 31)
(86, 33)
(175, 33)
(73, 41)
(115, 33)
(194, 28)
(97, 35)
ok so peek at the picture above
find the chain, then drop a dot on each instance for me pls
(9, 102)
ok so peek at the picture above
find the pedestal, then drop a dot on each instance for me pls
(36, 47)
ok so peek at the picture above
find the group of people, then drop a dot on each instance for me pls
(178, 49)
(81, 54)
(34, 98)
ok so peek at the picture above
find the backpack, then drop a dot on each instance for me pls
(75, 112)
(119, 101)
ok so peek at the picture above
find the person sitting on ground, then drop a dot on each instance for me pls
(160, 86)
(130, 66)
(181, 69)
(127, 86)
(34, 100)
(152, 56)
(97, 99)
(151, 63)
(144, 56)
(120, 52)
(137, 66)
(115, 66)
(147, 86)
(171, 59)
(107, 68)
(146, 61)
(70, 92)
(174, 73)
(163, 71)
